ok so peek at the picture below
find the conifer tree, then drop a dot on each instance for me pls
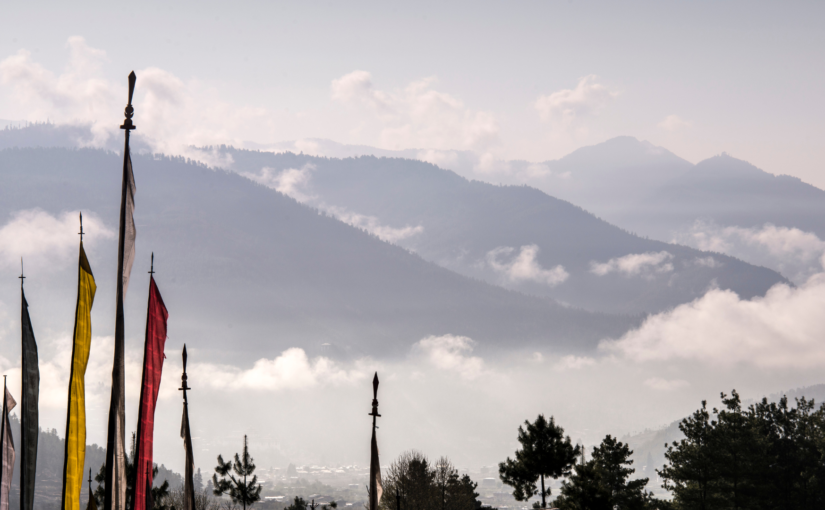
(241, 490)
(545, 452)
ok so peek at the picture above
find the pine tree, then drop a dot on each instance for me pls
(197, 480)
(545, 452)
(239, 489)
(603, 482)
(691, 472)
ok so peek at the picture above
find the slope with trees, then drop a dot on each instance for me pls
(243, 261)
(514, 236)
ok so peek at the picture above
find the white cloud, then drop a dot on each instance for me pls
(77, 95)
(575, 362)
(292, 370)
(47, 241)
(564, 106)
(372, 225)
(708, 261)
(791, 251)
(674, 123)
(635, 264)
(292, 182)
(451, 353)
(524, 267)
(659, 384)
(783, 329)
(171, 115)
(416, 116)
(295, 182)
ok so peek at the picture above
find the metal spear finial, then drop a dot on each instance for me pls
(152, 267)
(183, 378)
(127, 124)
(22, 278)
(81, 228)
(374, 412)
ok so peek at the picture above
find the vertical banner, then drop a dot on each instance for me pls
(156, 317)
(29, 425)
(75, 453)
(6, 449)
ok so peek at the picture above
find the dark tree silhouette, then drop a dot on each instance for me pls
(545, 452)
(241, 490)
(603, 482)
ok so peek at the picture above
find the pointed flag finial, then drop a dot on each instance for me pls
(129, 112)
(183, 378)
(152, 267)
(374, 412)
(81, 228)
(22, 278)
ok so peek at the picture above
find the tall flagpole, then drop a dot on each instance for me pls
(115, 488)
(375, 468)
(186, 434)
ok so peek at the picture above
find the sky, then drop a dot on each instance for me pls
(521, 80)
(516, 80)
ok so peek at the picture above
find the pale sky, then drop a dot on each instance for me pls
(516, 80)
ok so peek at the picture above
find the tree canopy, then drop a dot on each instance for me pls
(242, 491)
(545, 452)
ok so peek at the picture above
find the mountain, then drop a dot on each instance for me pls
(729, 191)
(513, 236)
(650, 190)
(245, 266)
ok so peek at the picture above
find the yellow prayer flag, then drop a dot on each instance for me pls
(76, 414)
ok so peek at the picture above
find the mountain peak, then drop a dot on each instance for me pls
(622, 151)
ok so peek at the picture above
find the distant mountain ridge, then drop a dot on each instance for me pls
(239, 261)
(515, 236)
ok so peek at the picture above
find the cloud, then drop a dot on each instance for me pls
(524, 267)
(172, 115)
(708, 262)
(295, 182)
(76, 95)
(291, 182)
(781, 330)
(791, 251)
(575, 362)
(635, 264)
(417, 115)
(674, 123)
(451, 353)
(564, 106)
(44, 240)
(291, 370)
(372, 225)
(659, 384)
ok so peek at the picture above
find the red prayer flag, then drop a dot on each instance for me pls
(152, 367)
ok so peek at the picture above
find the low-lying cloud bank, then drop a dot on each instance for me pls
(782, 330)
(793, 252)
